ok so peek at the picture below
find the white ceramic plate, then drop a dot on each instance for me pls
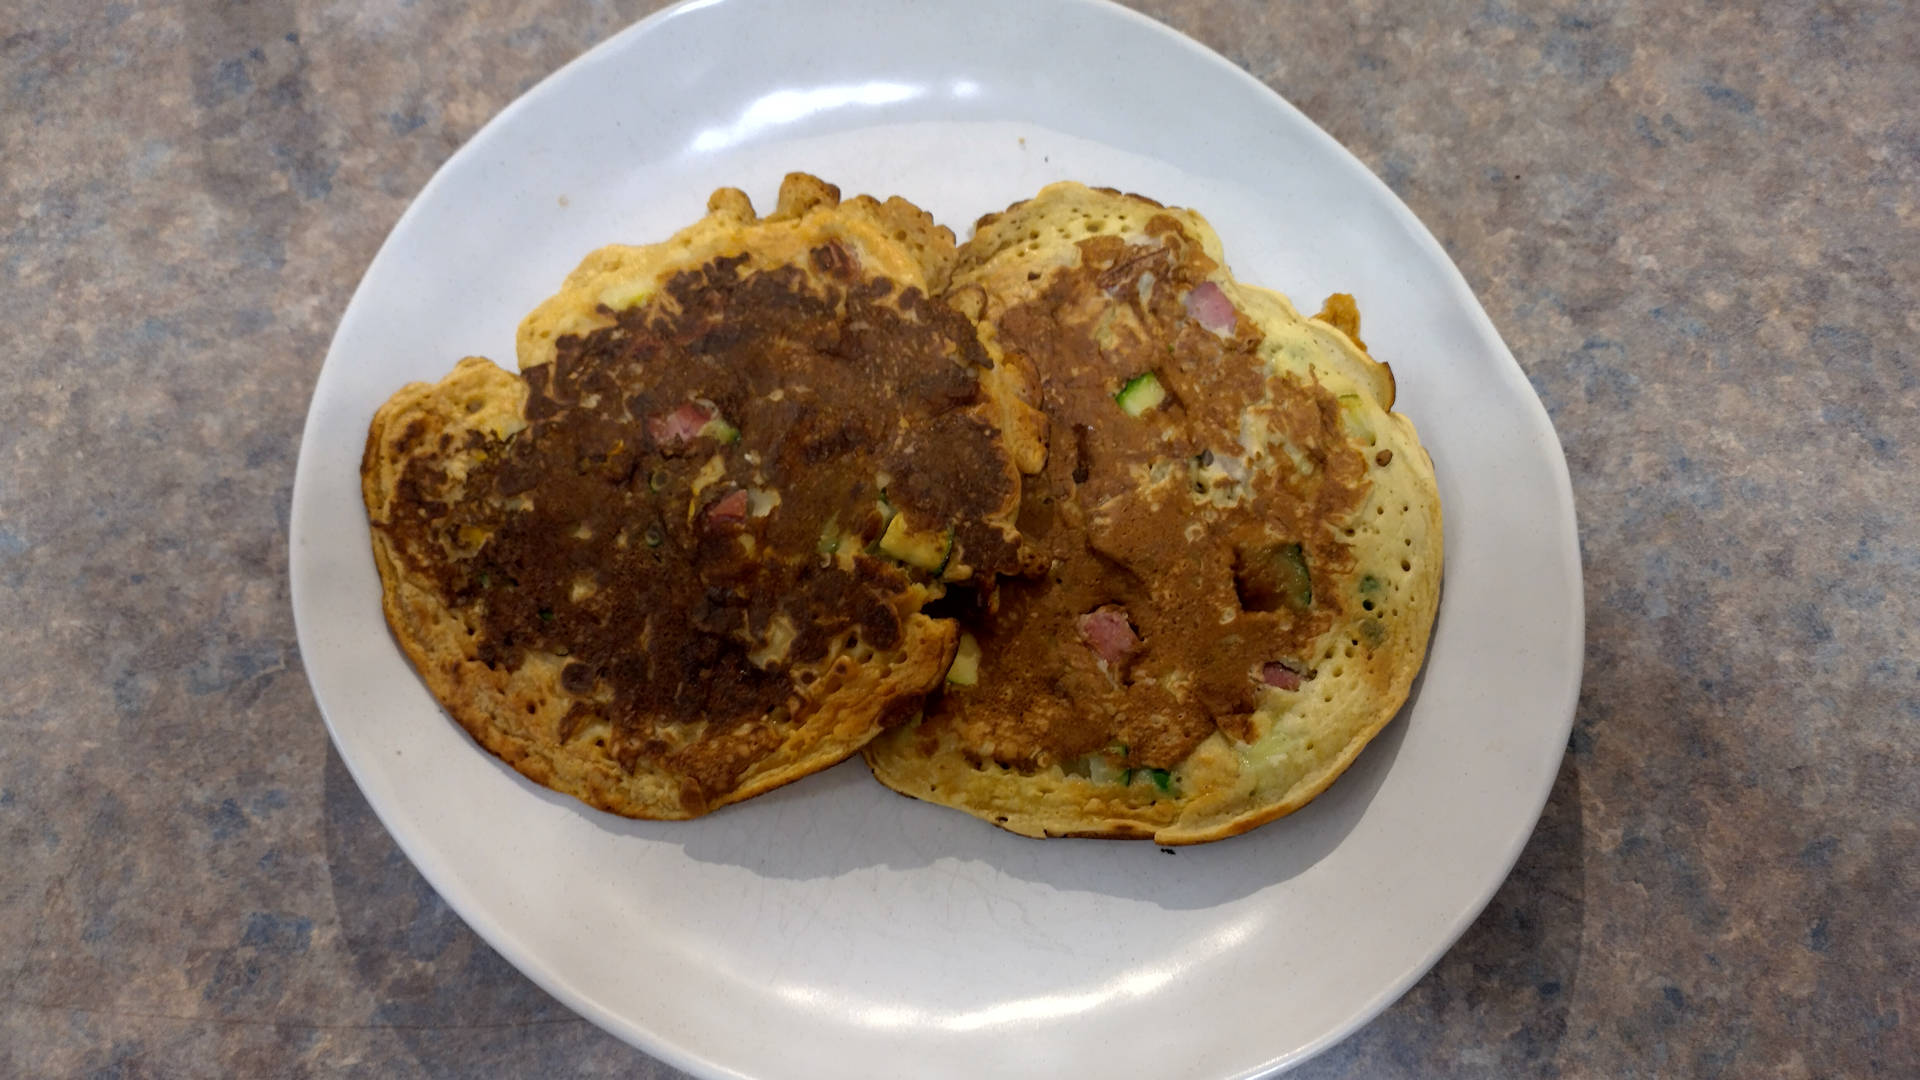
(833, 928)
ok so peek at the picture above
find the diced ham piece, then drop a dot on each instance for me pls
(729, 509)
(681, 425)
(1211, 308)
(1109, 635)
(1275, 673)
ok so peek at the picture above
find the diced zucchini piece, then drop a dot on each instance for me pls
(1162, 779)
(946, 559)
(1272, 577)
(761, 501)
(721, 431)
(965, 670)
(923, 550)
(1102, 770)
(1142, 392)
(1296, 584)
(887, 513)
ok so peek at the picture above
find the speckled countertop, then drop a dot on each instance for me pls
(1695, 224)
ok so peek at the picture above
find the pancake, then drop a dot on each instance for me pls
(1243, 542)
(680, 558)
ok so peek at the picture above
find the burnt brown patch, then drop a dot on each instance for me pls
(677, 517)
(1162, 549)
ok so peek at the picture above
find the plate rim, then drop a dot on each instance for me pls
(1536, 423)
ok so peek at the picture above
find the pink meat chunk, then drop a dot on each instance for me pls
(1109, 634)
(681, 425)
(1275, 673)
(729, 509)
(1211, 308)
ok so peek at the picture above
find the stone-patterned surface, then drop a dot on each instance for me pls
(1695, 224)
